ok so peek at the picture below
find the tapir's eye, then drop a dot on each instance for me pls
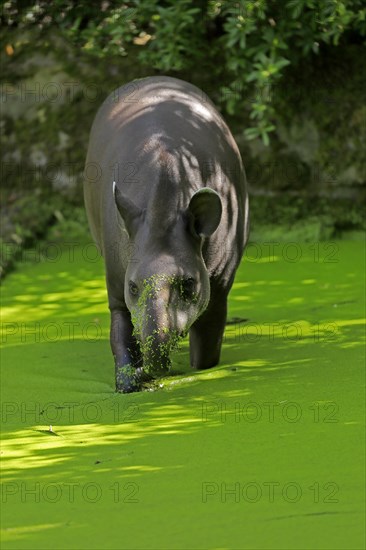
(188, 288)
(133, 288)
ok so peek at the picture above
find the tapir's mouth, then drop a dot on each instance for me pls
(156, 350)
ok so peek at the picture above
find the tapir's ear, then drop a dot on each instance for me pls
(205, 208)
(130, 213)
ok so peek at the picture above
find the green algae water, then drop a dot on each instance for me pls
(265, 451)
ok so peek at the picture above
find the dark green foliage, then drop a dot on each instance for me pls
(318, 217)
(245, 45)
(25, 218)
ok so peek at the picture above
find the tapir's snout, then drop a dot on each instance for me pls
(160, 322)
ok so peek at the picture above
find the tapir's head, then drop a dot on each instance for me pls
(167, 285)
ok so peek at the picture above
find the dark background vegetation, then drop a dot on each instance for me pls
(288, 75)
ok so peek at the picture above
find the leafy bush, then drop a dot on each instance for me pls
(244, 44)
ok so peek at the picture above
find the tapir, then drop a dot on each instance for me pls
(167, 204)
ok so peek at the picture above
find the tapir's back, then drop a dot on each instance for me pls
(161, 139)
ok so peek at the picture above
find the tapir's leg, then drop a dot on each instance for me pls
(205, 335)
(126, 351)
